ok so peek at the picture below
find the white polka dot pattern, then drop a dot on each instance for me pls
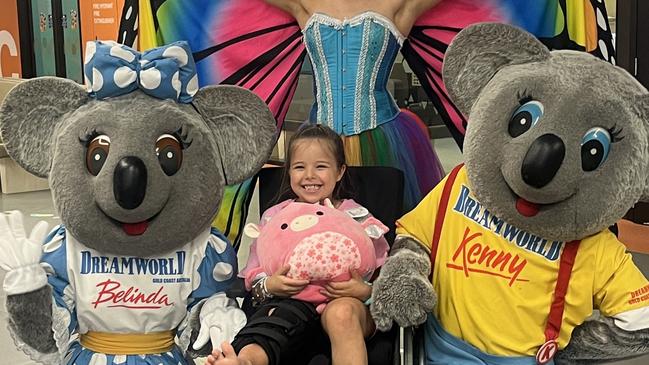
(98, 359)
(150, 78)
(97, 80)
(222, 271)
(177, 53)
(87, 83)
(91, 48)
(167, 72)
(49, 270)
(192, 86)
(124, 76)
(68, 297)
(196, 282)
(119, 52)
(218, 244)
(175, 83)
(53, 245)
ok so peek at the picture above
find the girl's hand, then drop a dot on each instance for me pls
(355, 287)
(227, 357)
(281, 285)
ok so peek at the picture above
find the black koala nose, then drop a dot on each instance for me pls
(129, 182)
(543, 160)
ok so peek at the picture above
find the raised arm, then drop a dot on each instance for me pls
(293, 7)
(408, 12)
(634, 236)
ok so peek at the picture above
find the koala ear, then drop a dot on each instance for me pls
(242, 125)
(30, 115)
(479, 51)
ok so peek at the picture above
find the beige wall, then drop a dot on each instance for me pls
(610, 7)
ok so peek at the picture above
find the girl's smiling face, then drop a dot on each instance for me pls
(313, 171)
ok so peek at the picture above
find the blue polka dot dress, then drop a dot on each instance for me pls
(100, 292)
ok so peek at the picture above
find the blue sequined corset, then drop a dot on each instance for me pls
(352, 60)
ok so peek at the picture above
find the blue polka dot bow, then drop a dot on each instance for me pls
(167, 72)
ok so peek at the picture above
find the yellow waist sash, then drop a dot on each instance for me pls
(128, 343)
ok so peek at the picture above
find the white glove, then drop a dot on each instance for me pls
(20, 255)
(220, 320)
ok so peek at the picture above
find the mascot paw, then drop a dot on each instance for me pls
(406, 301)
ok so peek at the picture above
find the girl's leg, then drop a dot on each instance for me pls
(277, 331)
(347, 321)
(253, 353)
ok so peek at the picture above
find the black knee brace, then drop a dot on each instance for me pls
(281, 331)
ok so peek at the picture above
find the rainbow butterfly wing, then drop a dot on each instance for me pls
(560, 24)
(426, 45)
(239, 42)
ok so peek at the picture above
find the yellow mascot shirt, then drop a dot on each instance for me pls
(495, 282)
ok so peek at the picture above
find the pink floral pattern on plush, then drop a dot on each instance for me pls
(320, 243)
(323, 256)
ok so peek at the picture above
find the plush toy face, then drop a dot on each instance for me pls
(136, 175)
(320, 243)
(544, 150)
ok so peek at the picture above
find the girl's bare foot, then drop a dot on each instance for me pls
(226, 356)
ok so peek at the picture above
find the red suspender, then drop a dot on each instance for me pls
(441, 214)
(553, 326)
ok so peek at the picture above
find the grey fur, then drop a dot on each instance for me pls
(228, 134)
(30, 317)
(38, 115)
(600, 340)
(409, 302)
(229, 125)
(481, 52)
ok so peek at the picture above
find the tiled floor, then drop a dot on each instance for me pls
(38, 206)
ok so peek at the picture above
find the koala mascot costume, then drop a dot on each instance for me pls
(137, 169)
(556, 151)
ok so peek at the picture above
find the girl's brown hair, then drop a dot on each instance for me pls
(325, 134)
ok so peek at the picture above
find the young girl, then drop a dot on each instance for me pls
(281, 327)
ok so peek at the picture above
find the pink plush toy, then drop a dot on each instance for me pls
(320, 243)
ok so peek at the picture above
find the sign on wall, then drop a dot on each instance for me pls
(100, 20)
(10, 65)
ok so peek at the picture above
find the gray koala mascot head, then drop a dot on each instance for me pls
(563, 165)
(137, 165)
(135, 175)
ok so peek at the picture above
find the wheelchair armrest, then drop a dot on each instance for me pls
(237, 290)
(413, 345)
